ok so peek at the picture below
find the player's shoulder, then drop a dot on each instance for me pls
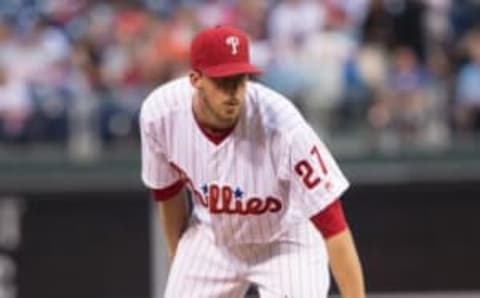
(168, 98)
(277, 112)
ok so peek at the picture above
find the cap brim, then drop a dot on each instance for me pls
(231, 69)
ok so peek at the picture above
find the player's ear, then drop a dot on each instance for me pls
(195, 77)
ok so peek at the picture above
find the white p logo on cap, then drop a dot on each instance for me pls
(233, 42)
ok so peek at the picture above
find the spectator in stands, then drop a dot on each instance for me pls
(438, 30)
(16, 106)
(438, 96)
(378, 25)
(401, 107)
(292, 22)
(323, 58)
(354, 13)
(467, 98)
(15, 109)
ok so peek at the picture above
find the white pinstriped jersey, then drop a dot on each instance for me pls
(270, 172)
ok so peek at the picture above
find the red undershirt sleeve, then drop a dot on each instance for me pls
(331, 220)
(168, 192)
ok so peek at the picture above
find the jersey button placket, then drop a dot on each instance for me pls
(214, 176)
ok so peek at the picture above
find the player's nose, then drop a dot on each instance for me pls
(231, 91)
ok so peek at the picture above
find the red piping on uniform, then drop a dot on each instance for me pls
(216, 136)
(167, 192)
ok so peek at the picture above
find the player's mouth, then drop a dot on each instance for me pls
(231, 109)
(232, 103)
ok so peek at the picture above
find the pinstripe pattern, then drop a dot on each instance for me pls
(261, 236)
(295, 266)
(201, 269)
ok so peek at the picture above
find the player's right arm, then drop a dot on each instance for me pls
(161, 177)
(173, 214)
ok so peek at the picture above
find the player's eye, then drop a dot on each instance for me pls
(230, 83)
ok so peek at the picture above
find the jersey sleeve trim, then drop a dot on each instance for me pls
(168, 192)
(331, 220)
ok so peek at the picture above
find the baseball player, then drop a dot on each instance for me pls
(264, 187)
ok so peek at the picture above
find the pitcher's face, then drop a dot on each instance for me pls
(220, 100)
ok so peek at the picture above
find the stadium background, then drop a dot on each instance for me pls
(393, 87)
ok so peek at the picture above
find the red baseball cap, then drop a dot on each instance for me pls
(221, 51)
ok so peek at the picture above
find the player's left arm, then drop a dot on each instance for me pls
(344, 260)
(316, 183)
(345, 265)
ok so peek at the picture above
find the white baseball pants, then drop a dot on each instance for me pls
(295, 266)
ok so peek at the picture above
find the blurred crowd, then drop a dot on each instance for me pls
(388, 72)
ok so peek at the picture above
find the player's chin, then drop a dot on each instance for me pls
(229, 117)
